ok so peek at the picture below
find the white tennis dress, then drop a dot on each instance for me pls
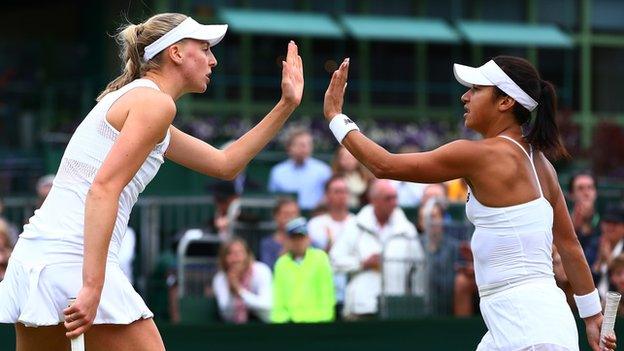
(45, 268)
(522, 306)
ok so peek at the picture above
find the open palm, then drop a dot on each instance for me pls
(292, 76)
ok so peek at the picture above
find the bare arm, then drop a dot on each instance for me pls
(454, 160)
(145, 126)
(226, 164)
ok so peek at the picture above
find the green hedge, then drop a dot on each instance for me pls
(423, 334)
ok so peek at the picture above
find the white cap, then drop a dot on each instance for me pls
(189, 28)
(491, 74)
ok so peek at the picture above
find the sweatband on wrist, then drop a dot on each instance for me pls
(588, 305)
(341, 125)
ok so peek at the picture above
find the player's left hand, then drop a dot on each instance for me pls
(592, 328)
(334, 96)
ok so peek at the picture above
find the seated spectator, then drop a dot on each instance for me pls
(272, 247)
(436, 190)
(300, 173)
(410, 194)
(585, 218)
(227, 208)
(616, 277)
(44, 185)
(379, 227)
(325, 229)
(465, 299)
(242, 286)
(303, 287)
(442, 255)
(5, 247)
(610, 246)
(12, 229)
(355, 174)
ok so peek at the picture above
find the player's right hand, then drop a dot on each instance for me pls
(592, 328)
(80, 315)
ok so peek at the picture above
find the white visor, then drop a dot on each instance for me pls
(491, 74)
(189, 28)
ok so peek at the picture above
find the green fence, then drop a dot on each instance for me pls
(424, 334)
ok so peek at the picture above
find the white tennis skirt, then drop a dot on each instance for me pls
(41, 277)
(532, 316)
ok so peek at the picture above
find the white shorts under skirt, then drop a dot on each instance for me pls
(40, 278)
(533, 316)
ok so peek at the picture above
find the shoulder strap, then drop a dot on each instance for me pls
(529, 155)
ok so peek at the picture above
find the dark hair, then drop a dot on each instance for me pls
(543, 133)
(281, 202)
(576, 175)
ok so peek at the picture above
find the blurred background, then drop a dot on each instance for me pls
(56, 56)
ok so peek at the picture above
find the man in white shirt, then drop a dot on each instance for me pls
(381, 232)
(326, 228)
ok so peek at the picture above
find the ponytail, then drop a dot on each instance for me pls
(544, 133)
(132, 40)
(127, 40)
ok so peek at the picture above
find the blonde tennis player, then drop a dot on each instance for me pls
(515, 203)
(69, 248)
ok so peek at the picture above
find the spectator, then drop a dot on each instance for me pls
(584, 216)
(355, 174)
(242, 286)
(5, 247)
(300, 173)
(326, 228)
(610, 246)
(44, 185)
(442, 255)
(379, 227)
(410, 194)
(465, 285)
(272, 247)
(227, 208)
(303, 287)
(616, 277)
(436, 190)
(12, 230)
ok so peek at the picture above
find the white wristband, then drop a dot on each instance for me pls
(588, 305)
(341, 125)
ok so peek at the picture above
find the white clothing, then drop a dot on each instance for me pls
(55, 233)
(258, 299)
(520, 302)
(126, 253)
(323, 227)
(320, 229)
(402, 252)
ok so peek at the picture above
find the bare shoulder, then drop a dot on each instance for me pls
(151, 101)
(547, 176)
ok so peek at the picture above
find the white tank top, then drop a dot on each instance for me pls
(61, 217)
(514, 243)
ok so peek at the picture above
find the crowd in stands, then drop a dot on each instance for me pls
(365, 239)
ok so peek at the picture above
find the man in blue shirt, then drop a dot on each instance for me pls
(300, 173)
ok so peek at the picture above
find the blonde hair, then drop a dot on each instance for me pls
(132, 40)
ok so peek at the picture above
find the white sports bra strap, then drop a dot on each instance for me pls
(530, 156)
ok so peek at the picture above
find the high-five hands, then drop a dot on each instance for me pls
(292, 76)
(334, 96)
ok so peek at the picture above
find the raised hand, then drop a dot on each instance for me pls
(292, 76)
(334, 96)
